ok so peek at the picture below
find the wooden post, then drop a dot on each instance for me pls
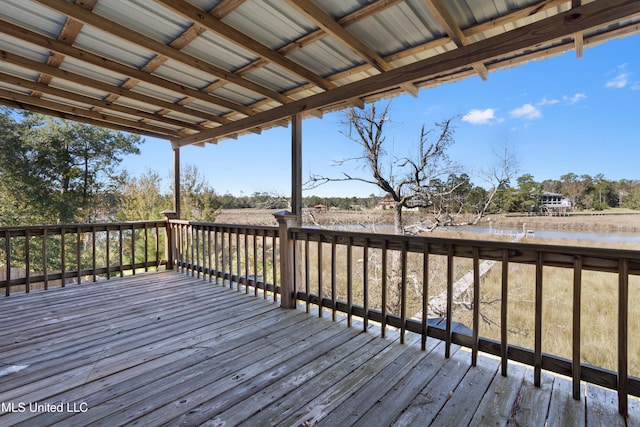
(288, 290)
(296, 167)
(169, 241)
(176, 179)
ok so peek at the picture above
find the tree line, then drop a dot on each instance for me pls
(53, 171)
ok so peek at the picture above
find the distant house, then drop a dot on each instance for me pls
(388, 203)
(320, 208)
(555, 202)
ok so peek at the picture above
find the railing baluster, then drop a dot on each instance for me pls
(146, 247)
(27, 244)
(209, 254)
(216, 259)
(222, 254)
(238, 261)
(121, 249)
(306, 271)
(476, 306)
(246, 262)
(7, 248)
(93, 253)
(383, 302)
(403, 291)
(157, 237)
(275, 268)
(623, 324)
(230, 260)
(320, 276)
(349, 282)
(264, 265)
(425, 296)
(449, 309)
(537, 353)
(255, 263)
(577, 291)
(333, 278)
(365, 283)
(107, 253)
(63, 261)
(133, 249)
(78, 254)
(45, 264)
(504, 303)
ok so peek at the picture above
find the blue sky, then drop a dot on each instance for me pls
(557, 115)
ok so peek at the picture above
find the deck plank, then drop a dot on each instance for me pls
(532, 404)
(497, 404)
(169, 348)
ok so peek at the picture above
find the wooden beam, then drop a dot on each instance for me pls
(296, 167)
(225, 7)
(318, 16)
(139, 39)
(553, 28)
(176, 180)
(49, 108)
(451, 27)
(114, 90)
(88, 57)
(65, 94)
(243, 41)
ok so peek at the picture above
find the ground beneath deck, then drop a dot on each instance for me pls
(169, 348)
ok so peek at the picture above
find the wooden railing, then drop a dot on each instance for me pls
(232, 255)
(352, 273)
(415, 256)
(37, 257)
(360, 275)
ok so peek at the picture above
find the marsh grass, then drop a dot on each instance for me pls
(598, 311)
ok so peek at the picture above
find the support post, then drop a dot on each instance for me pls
(288, 290)
(169, 241)
(296, 167)
(176, 179)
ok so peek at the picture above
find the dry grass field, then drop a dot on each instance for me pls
(599, 292)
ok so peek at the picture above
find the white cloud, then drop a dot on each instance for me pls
(527, 111)
(621, 79)
(575, 98)
(480, 117)
(546, 101)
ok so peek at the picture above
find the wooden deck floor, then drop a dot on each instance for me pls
(166, 348)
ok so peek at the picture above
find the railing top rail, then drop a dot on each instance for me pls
(266, 228)
(84, 227)
(599, 259)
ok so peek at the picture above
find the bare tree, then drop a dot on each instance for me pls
(406, 180)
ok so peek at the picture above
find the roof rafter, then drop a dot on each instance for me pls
(330, 26)
(92, 117)
(444, 18)
(48, 89)
(556, 27)
(122, 90)
(88, 57)
(242, 40)
(130, 35)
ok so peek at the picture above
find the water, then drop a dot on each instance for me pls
(564, 234)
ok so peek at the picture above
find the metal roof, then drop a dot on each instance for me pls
(195, 71)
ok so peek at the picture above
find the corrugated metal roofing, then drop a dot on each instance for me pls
(193, 71)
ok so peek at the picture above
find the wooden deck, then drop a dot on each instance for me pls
(168, 348)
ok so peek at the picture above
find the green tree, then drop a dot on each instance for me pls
(53, 171)
(199, 201)
(141, 198)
